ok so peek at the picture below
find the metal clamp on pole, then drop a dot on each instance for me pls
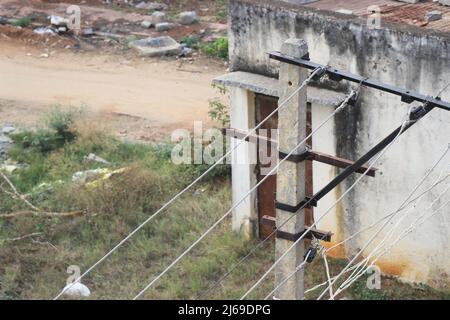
(307, 203)
(296, 158)
(311, 234)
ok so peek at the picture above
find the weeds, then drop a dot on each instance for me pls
(35, 268)
(56, 134)
(221, 10)
(218, 48)
(191, 41)
(22, 22)
(218, 111)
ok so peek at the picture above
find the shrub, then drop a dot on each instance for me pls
(23, 22)
(57, 133)
(218, 48)
(191, 41)
(219, 111)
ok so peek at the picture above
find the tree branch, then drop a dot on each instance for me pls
(41, 213)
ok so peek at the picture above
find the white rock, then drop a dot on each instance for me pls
(163, 26)
(344, 11)
(44, 31)
(84, 176)
(8, 168)
(146, 24)
(94, 158)
(157, 17)
(151, 6)
(433, 15)
(156, 47)
(188, 17)
(8, 129)
(77, 290)
(58, 21)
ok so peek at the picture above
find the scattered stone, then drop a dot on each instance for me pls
(5, 139)
(186, 52)
(88, 32)
(8, 129)
(160, 46)
(88, 175)
(8, 168)
(188, 17)
(94, 158)
(44, 31)
(62, 29)
(146, 24)
(58, 21)
(157, 17)
(163, 26)
(445, 2)
(77, 290)
(5, 144)
(433, 15)
(344, 11)
(151, 6)
(44, 55)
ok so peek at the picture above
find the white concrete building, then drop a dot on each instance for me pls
(407, 53)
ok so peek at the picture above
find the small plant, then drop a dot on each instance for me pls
(221, 9)
(57, 133)
(62, 122)
(218, 48)
(191, 41)
(219, 111)
(23, 22)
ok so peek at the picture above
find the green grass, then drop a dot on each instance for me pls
(35, 268)
(218, 48)
(191, 41)
(23, 22)
(221, 10)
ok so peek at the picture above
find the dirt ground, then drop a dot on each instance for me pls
(138, 98)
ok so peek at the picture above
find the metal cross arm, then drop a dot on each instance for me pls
(407, 96)
(415, 115)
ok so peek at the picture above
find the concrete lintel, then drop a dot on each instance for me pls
(269, 86)
(249, 81)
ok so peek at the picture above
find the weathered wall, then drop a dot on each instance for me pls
(403, 56)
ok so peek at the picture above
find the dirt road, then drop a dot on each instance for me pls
(161, 91)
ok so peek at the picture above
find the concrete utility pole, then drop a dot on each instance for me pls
(291, 177)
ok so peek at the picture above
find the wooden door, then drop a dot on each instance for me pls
(266, 191)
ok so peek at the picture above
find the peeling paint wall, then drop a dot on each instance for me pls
(402, 56)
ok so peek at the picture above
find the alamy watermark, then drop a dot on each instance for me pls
(74, 272)
(374, 280)
(374, 17)
(211, 145)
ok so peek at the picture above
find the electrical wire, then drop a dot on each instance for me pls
(341, 107)
(316, 72)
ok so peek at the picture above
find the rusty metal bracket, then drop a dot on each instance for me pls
(307, 154)
(312, 234)
(327, 159)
